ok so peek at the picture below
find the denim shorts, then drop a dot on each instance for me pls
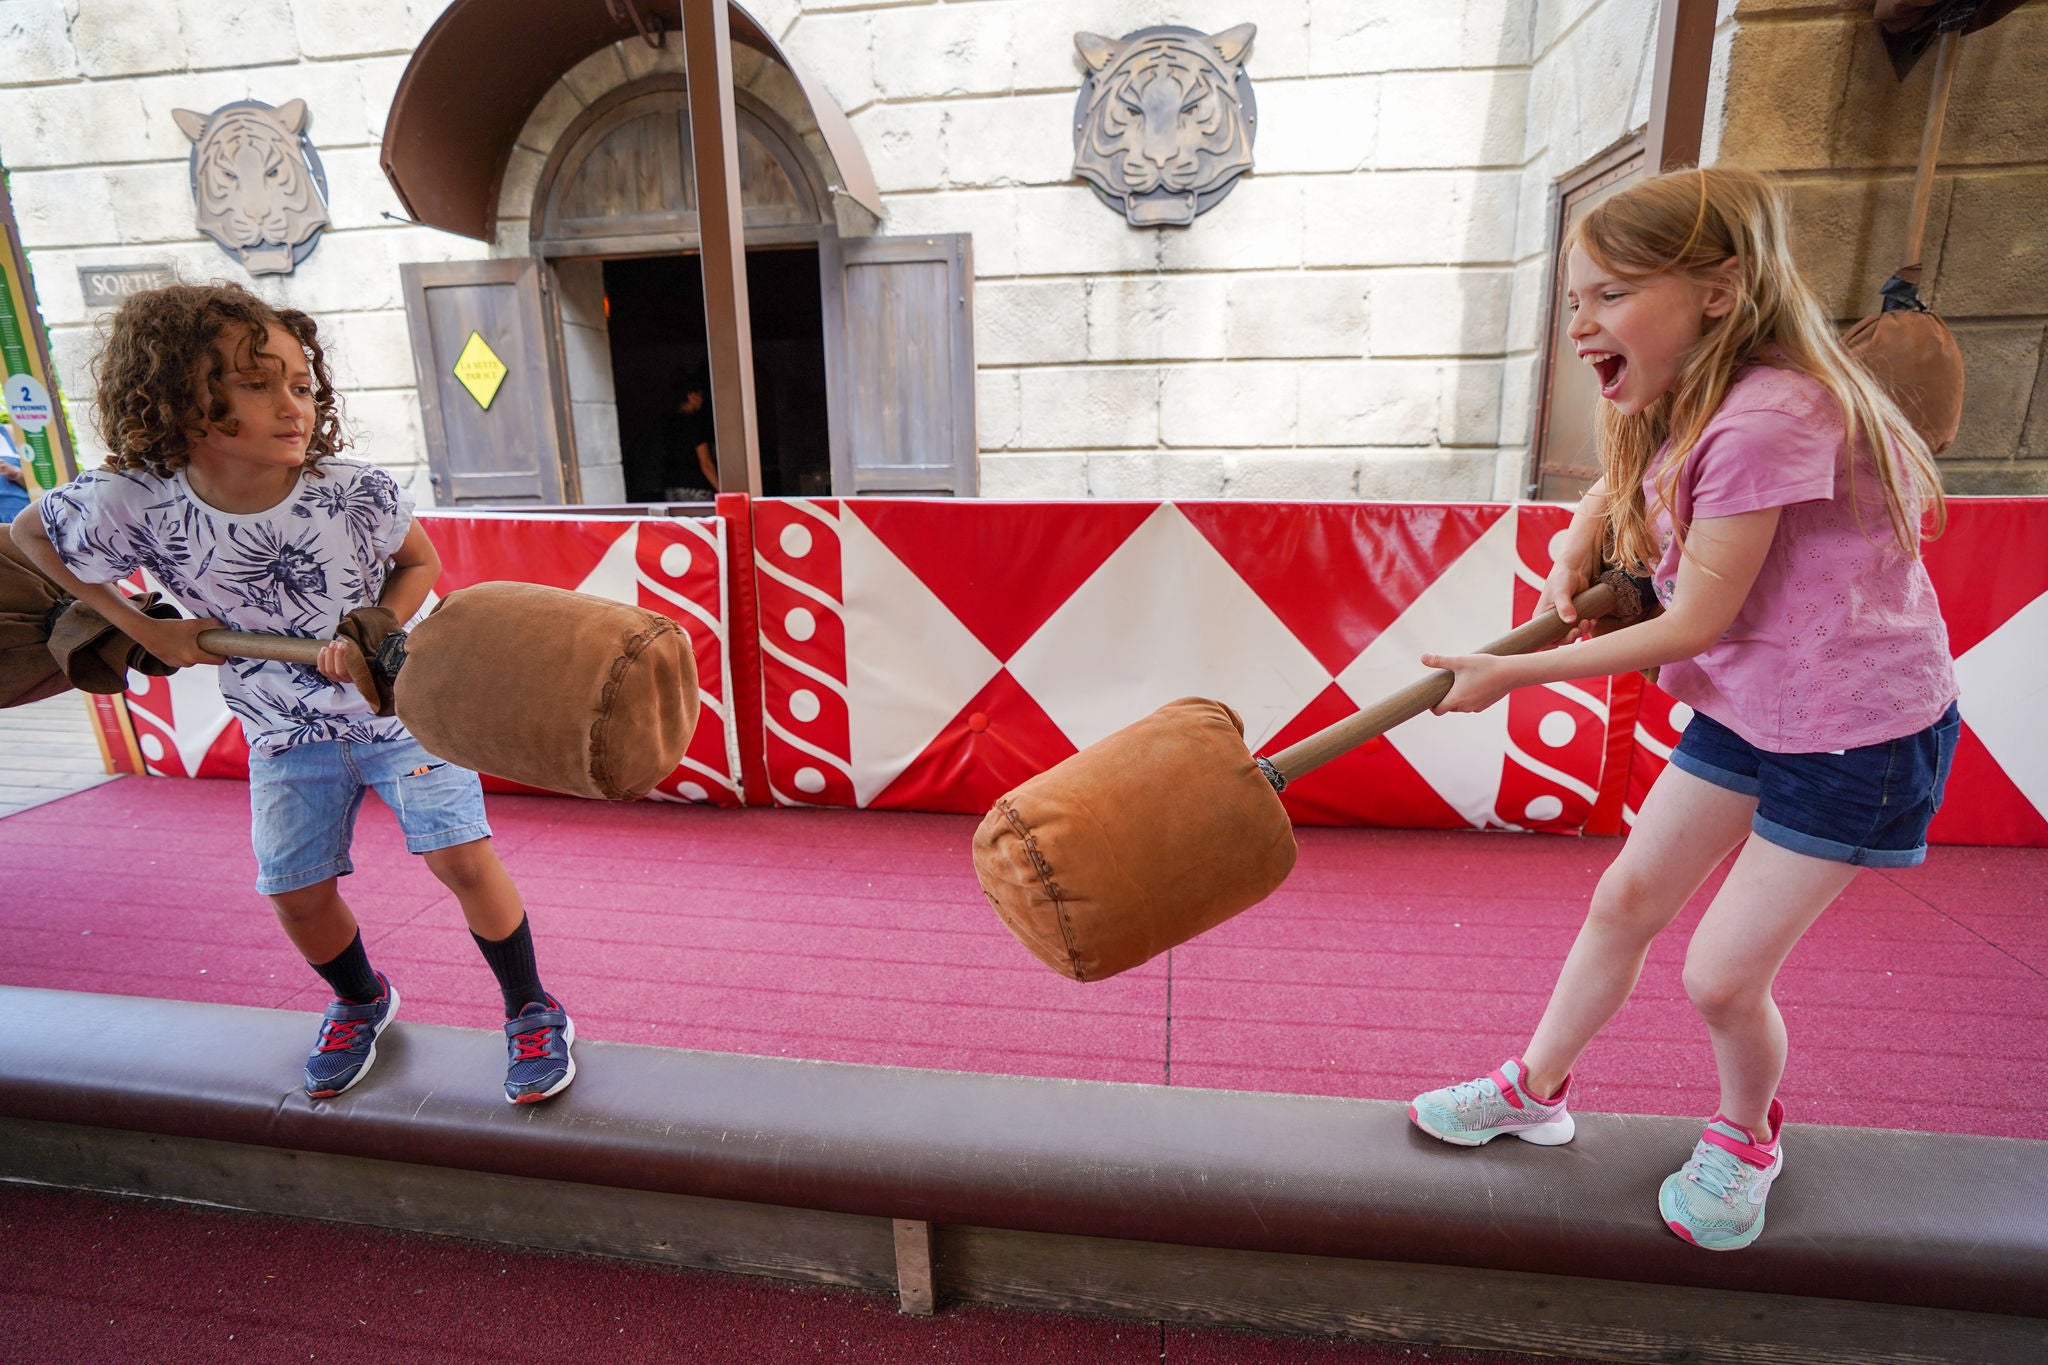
(1869, 807)
(303, 803)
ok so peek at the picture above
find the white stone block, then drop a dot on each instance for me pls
(1030, 322)
(1410, 218)
(63, 208)
(1327, 124)
(379, 78)
(550, 118)
(1238, 403)
(1188, 474)
(368, 351)
(837, 51)
(1293, 475)
(1528, 304)
(245, 33)
(1451, 118)
(1158, 317)
(1469, 412)
(36, 36)
(1520, 376)
(1257, 226)
(996, 410)
(1370, 403)
(587, 355)
(989, 216)
(126, 40)
(1056, 474)
(358, 194)
(579, 293)
(1098, 408)
(72, 350)
(1296, 315)
(930, 52)
(1018, 140)
(152, 203)
(1510, 473)
(1555, 20)
(1065, 229)
(384, 426)
(1437, 312)
(1393, 35)
(328, 29)
(903, 144)
(1426, 476)
(72, 125)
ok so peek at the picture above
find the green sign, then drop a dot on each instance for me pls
(28, 402)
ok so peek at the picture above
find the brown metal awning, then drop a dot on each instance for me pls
(484, 65)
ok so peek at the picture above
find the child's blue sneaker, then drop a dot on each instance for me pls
(539, 1065)
(348, 1042)
(1716, 1200)
(1475, 1112)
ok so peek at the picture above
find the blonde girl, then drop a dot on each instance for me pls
(1776, 497)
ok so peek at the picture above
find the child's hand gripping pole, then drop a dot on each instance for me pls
(1614, 595)
(373, 673)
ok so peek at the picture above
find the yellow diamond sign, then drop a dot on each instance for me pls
(480, 370)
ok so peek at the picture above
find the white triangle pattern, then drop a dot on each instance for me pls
(2003, 679)
(1471, 602)
(1165, 616)
(910, 664)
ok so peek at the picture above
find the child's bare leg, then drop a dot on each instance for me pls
(489, 900)
(316, 920)
(1771, 897)
(1686, 827)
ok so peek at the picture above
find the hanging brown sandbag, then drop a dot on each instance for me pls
(1911, 352)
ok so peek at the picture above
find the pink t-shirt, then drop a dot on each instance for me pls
(1840, 642)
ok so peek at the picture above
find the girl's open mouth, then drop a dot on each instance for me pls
(1612, 370)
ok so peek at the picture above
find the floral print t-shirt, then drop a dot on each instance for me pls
(295, 569)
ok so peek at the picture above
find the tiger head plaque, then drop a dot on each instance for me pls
(1164, 124)
(257, 183)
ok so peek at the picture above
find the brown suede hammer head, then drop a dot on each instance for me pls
(1138, 842)
(553, 689)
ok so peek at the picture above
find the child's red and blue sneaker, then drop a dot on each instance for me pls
(1716, 1200)
(539, 1065)
(347, 1047)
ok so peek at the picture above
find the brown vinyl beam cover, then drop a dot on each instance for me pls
(484, 65)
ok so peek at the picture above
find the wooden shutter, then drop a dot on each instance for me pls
(1566, 458)
(899, 364)
(510, 452)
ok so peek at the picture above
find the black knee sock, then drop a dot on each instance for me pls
(349, 974)
(511, 961)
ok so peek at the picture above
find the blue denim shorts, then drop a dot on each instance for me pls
(303, 804)
(1869, 807)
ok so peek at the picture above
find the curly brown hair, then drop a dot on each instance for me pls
(158, 373)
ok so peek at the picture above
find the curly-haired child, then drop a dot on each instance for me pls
(226, 482)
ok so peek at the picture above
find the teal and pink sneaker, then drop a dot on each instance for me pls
(1475, 1112)
(1716, 1200)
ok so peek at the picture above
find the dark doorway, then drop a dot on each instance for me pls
(655, 305)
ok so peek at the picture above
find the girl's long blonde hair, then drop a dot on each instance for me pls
(1688, 223)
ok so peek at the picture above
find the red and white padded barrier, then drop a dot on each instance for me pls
(931, 654)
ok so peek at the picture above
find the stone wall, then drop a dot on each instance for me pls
(98, 173)
(1808, 92)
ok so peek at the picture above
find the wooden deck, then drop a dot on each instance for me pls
(48, 749)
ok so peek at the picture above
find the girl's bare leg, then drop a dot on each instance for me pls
(1684, 830)
(1771, 897)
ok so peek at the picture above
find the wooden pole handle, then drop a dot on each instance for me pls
(1604, 598)
(1930, 146)
(248, 644)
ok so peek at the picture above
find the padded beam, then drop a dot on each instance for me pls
(1961, 1227)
